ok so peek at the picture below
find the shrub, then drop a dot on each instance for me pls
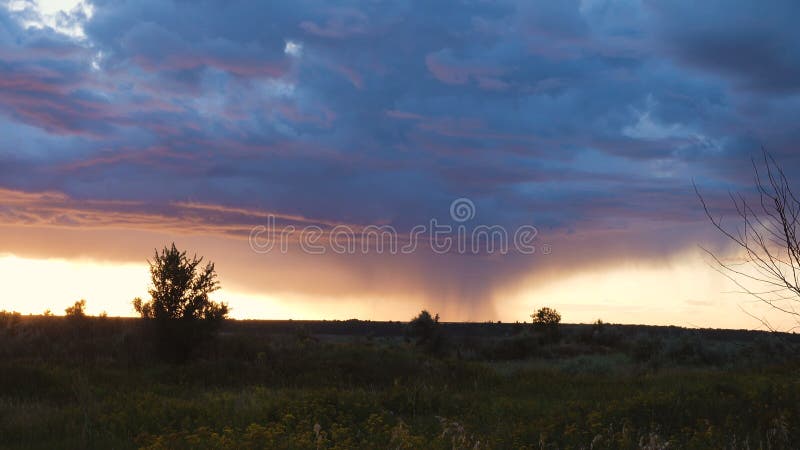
(546, 321)
(180, 310)
(77, 311)
(425, 328)
(546, 318)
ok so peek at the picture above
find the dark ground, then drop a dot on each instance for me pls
(94, 383)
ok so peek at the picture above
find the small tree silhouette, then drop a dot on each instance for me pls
(76, 311)
(180, 310)
(425, 329)
(547, 320)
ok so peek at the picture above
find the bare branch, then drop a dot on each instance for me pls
(767, 239)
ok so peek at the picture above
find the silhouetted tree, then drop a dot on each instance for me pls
(425, 328)
(546, 318)
(767, 236)
(546, 321)
(180, 310)
(77, 311)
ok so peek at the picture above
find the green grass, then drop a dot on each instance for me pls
(261, 390)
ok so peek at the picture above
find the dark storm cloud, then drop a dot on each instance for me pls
(572, 115)
(753, 43)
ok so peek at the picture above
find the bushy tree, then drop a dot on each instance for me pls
(180, 310)
(76, 311)
(425, 329)
(546, 318)
(546, 321)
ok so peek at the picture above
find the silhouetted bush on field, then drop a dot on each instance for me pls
(180, 313)
(546, 322)
(76, 311)
(426, 331)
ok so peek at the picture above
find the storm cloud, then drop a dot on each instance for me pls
(582, 118)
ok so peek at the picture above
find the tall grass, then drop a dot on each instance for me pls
(92, 384)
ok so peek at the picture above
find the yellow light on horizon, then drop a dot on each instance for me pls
(683, 290)
(33, 286)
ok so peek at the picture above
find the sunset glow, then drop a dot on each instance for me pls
(586, 124)
(697, 296)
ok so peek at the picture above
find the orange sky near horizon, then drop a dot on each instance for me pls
(628, 293)
(617, 274)
(125, 127)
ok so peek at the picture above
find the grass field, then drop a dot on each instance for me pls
(91, 383)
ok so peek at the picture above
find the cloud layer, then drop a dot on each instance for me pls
(582, 118)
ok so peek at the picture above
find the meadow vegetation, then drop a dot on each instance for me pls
(97, 382)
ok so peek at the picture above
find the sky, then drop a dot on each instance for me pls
(127, 125)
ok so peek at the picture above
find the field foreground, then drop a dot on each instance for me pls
(91, 383)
